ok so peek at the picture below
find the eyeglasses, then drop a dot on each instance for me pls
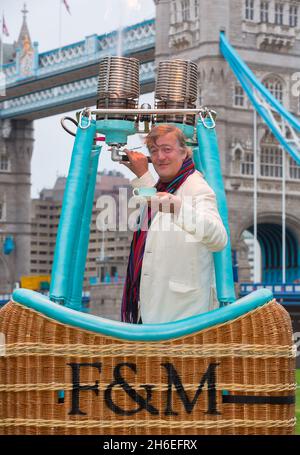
(166, 149)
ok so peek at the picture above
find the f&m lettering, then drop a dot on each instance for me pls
(77, 387)
(174, 379)
(143, 403)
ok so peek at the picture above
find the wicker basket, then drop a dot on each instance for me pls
(233, 378)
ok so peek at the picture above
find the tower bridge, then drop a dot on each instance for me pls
(65, 79)
(59, 80)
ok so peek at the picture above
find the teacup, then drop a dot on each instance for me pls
(145, 191)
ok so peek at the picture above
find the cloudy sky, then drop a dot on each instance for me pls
(52, 149)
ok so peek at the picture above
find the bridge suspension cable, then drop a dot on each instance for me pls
(284, 125)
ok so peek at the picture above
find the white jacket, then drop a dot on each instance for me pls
(177, 276)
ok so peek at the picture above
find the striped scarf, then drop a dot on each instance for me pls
(131, 291)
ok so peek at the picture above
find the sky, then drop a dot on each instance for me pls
(53, 147)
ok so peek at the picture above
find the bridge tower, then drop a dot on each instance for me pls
(266, 34)
(40, 85)
(16, 146)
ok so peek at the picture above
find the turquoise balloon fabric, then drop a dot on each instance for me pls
(141, 332)
(81, 249)
(208, 157)
(71, 214)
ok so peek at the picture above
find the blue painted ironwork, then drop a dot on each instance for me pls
(264, 102)
(135, 39)
(4, 299)
(286, 294)
(270, 240)
(66, 93)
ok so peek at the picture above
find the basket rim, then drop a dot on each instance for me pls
(141, 332)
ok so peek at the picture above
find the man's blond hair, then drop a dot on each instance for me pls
(162, 130)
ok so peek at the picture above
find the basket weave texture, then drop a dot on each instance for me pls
(234, 378)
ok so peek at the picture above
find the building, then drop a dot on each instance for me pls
(16, 147)
(266, 34)
(108, 251)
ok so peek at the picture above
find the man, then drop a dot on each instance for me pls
(170, 274)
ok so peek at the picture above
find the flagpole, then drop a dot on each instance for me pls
(2, 76)
(2, 47)
(255, 194)
(283, 215)
(60, 24)
(120, 32)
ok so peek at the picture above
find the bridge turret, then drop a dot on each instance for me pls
(24, 32)
(26, 52)
(16, 146)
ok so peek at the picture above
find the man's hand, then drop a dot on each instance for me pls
(165, 202)
(138, 162)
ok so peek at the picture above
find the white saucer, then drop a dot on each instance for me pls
(143, 198)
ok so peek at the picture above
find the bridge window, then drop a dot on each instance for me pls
(2, 211)
(293, 16)
(249, 10)
(278, 13)
(4, 162)
(275, 87)
(264, 11)
(294, 170)
(197, 9)
(236, 160)
(271, 161)
(185, 8)
(239, 96)
(247, 165)
(174, 12)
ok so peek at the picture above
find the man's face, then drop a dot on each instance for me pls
(167, 156)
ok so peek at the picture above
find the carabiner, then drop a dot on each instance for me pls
(84, 111)
(209, 114)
